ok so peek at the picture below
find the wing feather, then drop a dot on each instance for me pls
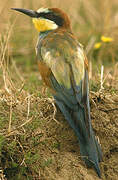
(69, 78)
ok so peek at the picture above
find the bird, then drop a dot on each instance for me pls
(63, 66)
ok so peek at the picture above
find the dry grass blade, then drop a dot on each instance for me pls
(2, 176)
(10, 117)
(101, 78)
(16, 129)
(55, 110)
(28, 105)
(4, 44)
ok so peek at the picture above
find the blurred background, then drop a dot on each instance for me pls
(27, 113)
(94, 22)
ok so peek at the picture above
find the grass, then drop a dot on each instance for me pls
(33, 141)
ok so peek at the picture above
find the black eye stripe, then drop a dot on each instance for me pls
(51, 16)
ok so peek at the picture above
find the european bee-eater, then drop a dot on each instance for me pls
(64, 69)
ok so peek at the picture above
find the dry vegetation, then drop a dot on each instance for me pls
(35, 140)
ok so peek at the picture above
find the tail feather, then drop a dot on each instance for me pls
(89, 147)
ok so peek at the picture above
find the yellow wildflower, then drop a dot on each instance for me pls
(106, 39)
(97, 45)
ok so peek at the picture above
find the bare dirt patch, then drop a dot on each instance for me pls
(41, 145)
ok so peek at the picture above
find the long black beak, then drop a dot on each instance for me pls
(30, 13)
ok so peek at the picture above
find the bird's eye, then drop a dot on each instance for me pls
(53, 17)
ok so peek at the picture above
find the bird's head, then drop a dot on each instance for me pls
(46, 19)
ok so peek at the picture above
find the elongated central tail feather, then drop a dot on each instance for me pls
(89, 147)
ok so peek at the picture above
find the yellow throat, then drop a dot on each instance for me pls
(44, 24)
